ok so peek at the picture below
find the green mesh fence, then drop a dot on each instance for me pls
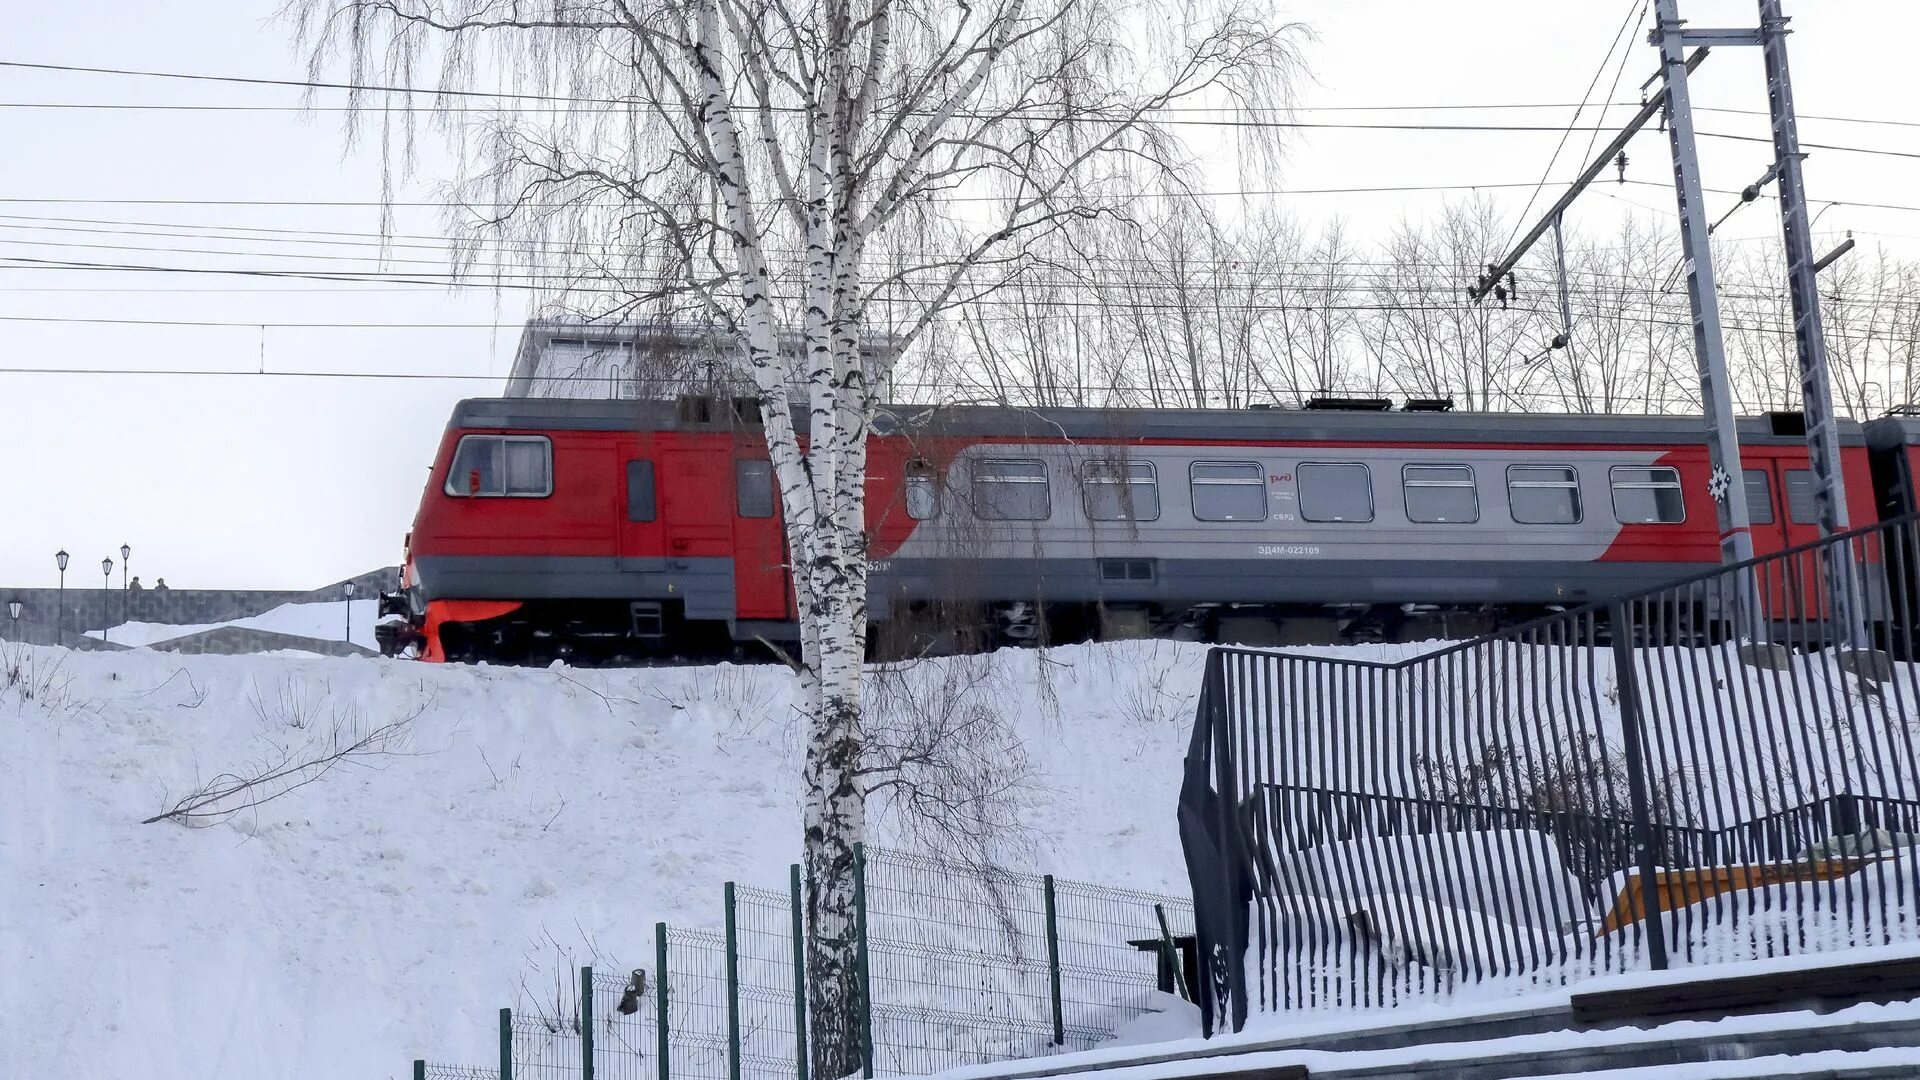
(763, 936)
(625, 1040)
(965, 965)
(459, 1072)
(1111, 951)
(545, 1047)
(961, 972)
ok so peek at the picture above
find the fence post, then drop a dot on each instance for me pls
(864, 1013)
(1633, 728)
(733, 985)
(664, 1048)
(1053, 962)
(506, 1044)
(419, 1069)
(586, 1023)
(1844, 815)
(799, 973)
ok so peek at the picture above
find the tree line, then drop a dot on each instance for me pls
(1184, 309)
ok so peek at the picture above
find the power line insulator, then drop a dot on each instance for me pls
(1620, 164)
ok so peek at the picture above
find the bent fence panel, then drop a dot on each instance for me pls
(1719, 769)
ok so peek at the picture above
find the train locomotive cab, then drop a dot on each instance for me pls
(592, 531)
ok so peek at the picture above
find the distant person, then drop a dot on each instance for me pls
(136, 585)
(160, 585)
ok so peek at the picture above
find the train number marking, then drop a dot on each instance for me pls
(1289, 550)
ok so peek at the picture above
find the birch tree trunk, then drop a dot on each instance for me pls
(736, 162)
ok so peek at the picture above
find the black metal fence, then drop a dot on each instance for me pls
(1712, 771)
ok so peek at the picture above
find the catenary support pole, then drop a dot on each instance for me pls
(1728, 480)
(1810, 347)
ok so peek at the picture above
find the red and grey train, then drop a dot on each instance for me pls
(623, 530)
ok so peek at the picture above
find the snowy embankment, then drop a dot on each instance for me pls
(521, 821)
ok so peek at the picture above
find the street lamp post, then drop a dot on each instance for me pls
(13, 611)
(126, 559)
(106, 592)
(349, 590)
(60, 560)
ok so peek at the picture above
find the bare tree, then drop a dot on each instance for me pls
(747, 156)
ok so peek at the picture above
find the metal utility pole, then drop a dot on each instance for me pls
(1728, 482)
(1816, 390)
(1816, 393)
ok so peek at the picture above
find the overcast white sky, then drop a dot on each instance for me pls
(279, 482)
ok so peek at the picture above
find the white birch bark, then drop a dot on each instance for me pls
(738, 159)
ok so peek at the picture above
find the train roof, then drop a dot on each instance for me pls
(1308, 425)
(1891, 431)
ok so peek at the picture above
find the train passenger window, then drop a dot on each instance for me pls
(640, 497)
(1006, 490)
(1330, 492)
(1646, 496)
(1802, 509)
(1228, 490)
(1543, 494)
(753, 488)
(1759, 497)
(1440, 494)
(1120, 491)
(502, 465)
(923, 491)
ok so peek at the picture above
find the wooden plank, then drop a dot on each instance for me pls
(1870, 980)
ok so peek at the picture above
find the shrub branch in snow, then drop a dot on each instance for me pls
(347, 740)
(944, 757)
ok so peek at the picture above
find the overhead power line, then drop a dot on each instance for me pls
(564, 99)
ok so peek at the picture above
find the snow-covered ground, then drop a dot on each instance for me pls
(326, 621)
(530, 819)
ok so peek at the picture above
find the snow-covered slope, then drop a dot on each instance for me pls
(530, 819)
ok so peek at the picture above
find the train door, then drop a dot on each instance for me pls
(761, 589)
(641, 545)
(695, 502)
(1796, 586)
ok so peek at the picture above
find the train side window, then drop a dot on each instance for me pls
(753, 488)
(1228, 490)
(1006, 490)
(1440, 494)
(640, 496)
(1759, 497)
(1120, 491)
(1543, 494)
(923, 491)
(1801, 507)
(1646, 496)
(497, 466)
(1335, 492)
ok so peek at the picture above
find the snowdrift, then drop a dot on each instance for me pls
(522, 821)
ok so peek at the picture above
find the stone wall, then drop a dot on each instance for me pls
(44, 611)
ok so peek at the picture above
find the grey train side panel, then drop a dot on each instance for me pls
(704, 585)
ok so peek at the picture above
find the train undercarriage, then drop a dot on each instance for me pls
(618, 632)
